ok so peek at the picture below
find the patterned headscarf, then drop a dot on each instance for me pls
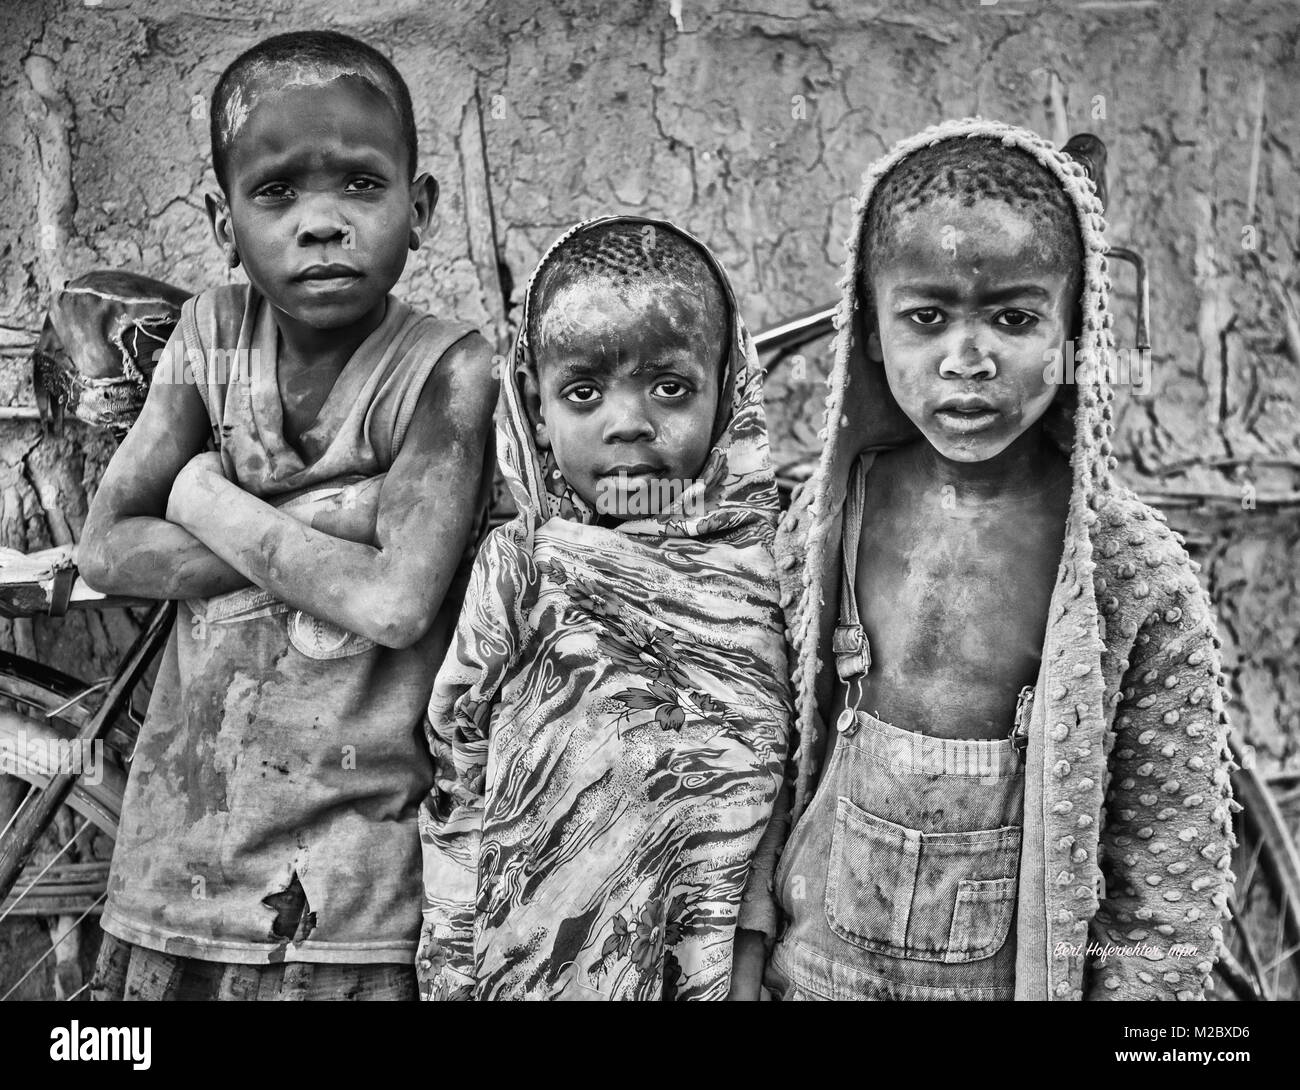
(737, 482)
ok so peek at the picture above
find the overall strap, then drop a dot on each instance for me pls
(849, 643)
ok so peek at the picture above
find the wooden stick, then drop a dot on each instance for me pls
(1275, 283)
(1057, 108)
(1257, 141)
(480, 218)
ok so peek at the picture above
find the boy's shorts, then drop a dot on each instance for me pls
(126, 971)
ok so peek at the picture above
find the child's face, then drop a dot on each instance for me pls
(627, 389)
(321, 204)
(968, 313)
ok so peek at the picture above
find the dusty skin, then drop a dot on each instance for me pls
(963, 530)
(167, 524)
(625, 392)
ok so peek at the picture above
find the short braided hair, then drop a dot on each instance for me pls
(968, 170)
(326, 51)
(630, 256)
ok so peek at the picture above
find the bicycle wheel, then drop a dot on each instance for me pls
(36, 716)
(66, 880)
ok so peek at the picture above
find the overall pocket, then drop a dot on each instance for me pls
(946, 897)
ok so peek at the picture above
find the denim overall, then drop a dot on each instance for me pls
(899, 881)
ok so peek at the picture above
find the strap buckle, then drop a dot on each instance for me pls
(852, 651)
(1020, 731)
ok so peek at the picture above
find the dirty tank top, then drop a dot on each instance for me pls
(270, 813)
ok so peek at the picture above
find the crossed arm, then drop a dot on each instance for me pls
(166, 523)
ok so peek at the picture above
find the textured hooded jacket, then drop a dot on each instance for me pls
(1127, 830)
(610, 727)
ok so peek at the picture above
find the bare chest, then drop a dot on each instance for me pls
(955, 608)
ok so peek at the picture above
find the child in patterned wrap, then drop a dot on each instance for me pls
(609, 728)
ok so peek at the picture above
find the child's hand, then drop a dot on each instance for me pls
(189, 481)
(749, 955)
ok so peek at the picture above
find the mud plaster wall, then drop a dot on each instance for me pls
(752, 128)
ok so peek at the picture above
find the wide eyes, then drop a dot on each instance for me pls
(667, 389)
(1011, 318)
(582, 395)
(1016, 319)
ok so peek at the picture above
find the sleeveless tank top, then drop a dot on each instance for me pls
(270, 813)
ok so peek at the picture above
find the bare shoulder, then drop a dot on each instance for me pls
(472, 368)
(451, 425)
(458, 399)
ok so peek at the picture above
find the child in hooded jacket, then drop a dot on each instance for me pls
(1028, 762)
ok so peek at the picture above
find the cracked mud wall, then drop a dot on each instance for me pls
(750, 126)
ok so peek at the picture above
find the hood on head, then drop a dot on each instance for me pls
(861, 412)
(862, 415)
(737, 479)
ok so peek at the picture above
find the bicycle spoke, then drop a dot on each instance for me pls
(1235, 976)
(1257, 847)
(79, 991)
(57, 856)
(79, 697)
(1283, 957)
(1278, 943)
(54, 946)
(1275, 852)
(1248, 948)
